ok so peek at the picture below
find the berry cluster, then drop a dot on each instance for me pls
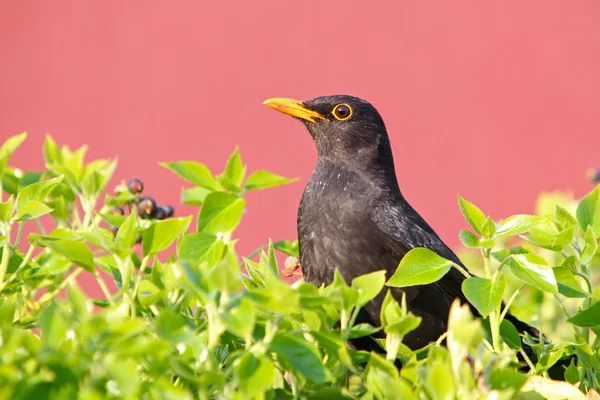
(145, 205)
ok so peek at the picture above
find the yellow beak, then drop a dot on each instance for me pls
(294, 108)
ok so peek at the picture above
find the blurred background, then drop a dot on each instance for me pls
(494, 100)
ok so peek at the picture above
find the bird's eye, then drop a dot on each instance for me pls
(342, 112)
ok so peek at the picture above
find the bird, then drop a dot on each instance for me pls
(353, 216)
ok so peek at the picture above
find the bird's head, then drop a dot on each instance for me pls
(347, 131)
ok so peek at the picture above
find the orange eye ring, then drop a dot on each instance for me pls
(342, 112)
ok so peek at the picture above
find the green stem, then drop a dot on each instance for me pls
(23, 263)
(18, 238)
(137, 284)
(462, 270)
(495, 328)
(40, 227)
(507, 306)
(5, 253)
(527, 360)
(104, 289)
(346, 332)
(486, 262)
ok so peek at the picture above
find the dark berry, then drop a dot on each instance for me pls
(117, 211)
(164, 211)
(593, 174)
(169, 210)
(135, 186)
(147, 207)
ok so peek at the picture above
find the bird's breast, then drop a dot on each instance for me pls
(335, 229)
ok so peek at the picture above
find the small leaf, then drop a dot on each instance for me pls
(126, 235)
(552, 390)
(220, 213)
(474, 216)
(160, 235)
(591, 246)
(510, 335)
(534, 270)
(74, 251)
(564, 217)
(362, 330)
(301, 355)
(200, 247)
(419, 266)
(6, 210)
(567, 284)
(517, 225)
(488, 229)
(588, 211)
(37, 191)
(193, 172)
(8, 148)
(368, 286)
(194, 196)
(587, 318)
(264, 179)
(32, 210)
(234, 169)
(469, 239)
(484, 294)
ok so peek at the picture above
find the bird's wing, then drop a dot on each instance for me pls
(403, 228)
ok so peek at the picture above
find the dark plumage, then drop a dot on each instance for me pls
(353, 215)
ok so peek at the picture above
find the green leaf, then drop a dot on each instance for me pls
(149, 294)
(588, 211)
(160, 235)
(567, 284)
(517, 225)
(301, 355)
(73, 250)
(484, 294)
(552, 390)
(220, 213)
(241, 320)
(510, 335)
(6, 210)
(52, 153)
(32, 210)
(194, 196)
(200, 247)
(37, 191)
(474, 216)
(234, 169)
(419, 266)
(469, 239)
(488, 229)
(395, 317)
(502, 378)
(126, 236)
(572, 373)
(193, 172)
(534, 270)
(264, 179)
(591, 246)
(368, 286)
(8, 148)
(440, 381)
(587, 318)
(53, 326)
(564, 217)
(362, 330)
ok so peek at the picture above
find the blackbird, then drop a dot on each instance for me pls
(353, 216)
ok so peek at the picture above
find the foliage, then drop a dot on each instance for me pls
(191, 320)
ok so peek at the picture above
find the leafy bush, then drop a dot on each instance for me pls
(197, 322)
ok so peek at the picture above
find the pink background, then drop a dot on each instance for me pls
(495, 100)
